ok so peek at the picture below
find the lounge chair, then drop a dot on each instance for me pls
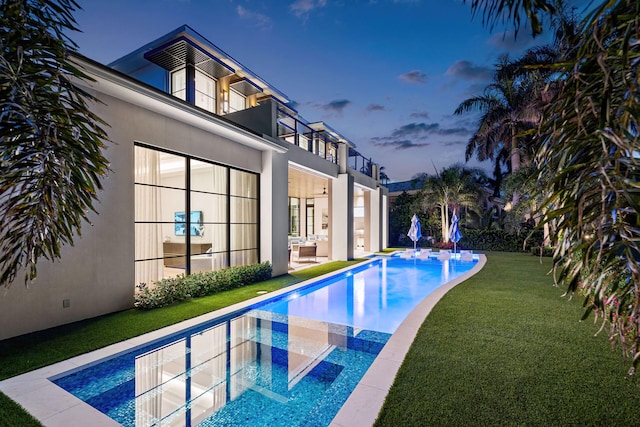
(466, 255)
(444, 254)
(408, 254)
(424, 254)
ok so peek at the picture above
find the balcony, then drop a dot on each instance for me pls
(271, 117)
(298, 133)
(359, 163)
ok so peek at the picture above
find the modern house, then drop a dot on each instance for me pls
(211, 167)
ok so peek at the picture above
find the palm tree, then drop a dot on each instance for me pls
(588, 163)
(508, 114)
(51, 144)
(450, 189)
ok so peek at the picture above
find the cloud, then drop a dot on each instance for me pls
(335, 106)
(506, 41)
(419, 115)
(403, 144)
(415, 76)
(376, 107)
(466, 70)
(418, 130)
(453, 143)
(413, 135)
(302, 8)
(259, 20)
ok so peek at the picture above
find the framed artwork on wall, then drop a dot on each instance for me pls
(180, 221)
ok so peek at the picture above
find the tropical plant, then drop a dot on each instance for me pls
(51, 160)
(509, 114)
(588, 161)
(400, 213)
(173, 289)
(449, 190)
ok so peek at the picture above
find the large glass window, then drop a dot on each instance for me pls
(237, 101)
(310, 217)
(205, 92)
(179, 84)
(191, 216)
(243, 217)
(294, 216)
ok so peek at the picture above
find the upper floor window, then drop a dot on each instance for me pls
(237, 101)
(179, 84)
(205, 92)
(205, 88)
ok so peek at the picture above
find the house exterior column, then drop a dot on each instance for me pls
(341, 218)
(372, 220)
(343, 157)
(273, 211)
(384, 218)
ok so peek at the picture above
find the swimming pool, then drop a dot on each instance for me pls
(291, 360)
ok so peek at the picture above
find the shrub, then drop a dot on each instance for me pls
(174, 289)
(445, 245)
(499, 240)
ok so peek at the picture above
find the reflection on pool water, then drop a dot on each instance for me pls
(292, 360)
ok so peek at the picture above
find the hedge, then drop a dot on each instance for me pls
(499, 240)
(170, 290)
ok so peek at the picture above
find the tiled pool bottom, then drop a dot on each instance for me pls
(259, 369)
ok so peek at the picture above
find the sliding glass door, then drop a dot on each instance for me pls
(191, 215)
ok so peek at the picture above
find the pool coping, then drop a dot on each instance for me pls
(54, 407)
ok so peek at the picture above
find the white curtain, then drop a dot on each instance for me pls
(243, 218)
(221, 217)
(148, 214)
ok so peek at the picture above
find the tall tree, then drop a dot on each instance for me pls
(450, 189)
(51, 160)
(508, 114)
(589, 163)
(400, 212)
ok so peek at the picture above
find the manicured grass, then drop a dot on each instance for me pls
(12, 414)
(504, 348)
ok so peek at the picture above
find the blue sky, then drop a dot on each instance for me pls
(387, 74)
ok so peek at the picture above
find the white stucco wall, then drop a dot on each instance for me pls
(274, 212)
(341, 218)
(96, 276)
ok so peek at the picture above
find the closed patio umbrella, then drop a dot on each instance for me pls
(454, 231)
(414, 232)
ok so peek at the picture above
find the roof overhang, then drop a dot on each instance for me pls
(120, 86)
(182, 51)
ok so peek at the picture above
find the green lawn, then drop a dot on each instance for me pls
(501, 348)
(504, 348)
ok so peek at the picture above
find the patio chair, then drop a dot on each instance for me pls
(307, 251)
(407, 254)
(466, 255)
(424, 254)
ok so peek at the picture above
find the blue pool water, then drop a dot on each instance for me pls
(289, 361)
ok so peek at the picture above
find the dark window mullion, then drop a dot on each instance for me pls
(187, 202)
(228, 217)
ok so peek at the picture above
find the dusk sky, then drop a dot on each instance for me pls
(387, 74)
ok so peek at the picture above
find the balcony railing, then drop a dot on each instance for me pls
(360, 163)
(298, 133)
